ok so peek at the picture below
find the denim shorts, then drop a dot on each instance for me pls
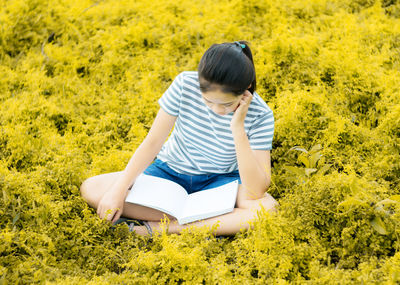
(191, 183)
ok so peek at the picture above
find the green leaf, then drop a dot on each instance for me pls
(309, 171)
(387, 202)
(350, 202)
(314, 159)
(381, 209)
(16, 218)
(316, 148)
(379, 226)
(304, 160)
(295, 170)
(299, 148)
(5, 197)
(324, 169)
(321, 161)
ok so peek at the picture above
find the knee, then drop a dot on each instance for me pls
(269, 203)
(85, 192)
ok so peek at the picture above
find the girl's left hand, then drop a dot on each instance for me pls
(241, 111)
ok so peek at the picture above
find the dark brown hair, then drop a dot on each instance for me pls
(228, 67)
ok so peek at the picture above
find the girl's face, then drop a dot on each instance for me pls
(221, 103)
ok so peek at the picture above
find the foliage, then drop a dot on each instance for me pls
(79, 88)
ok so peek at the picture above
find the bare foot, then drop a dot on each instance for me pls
(144, 231)
(141, 230)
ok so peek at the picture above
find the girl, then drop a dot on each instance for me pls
(222, 132)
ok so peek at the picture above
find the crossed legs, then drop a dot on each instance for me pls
(93, 189)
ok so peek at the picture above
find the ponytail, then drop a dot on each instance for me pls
(247, 51)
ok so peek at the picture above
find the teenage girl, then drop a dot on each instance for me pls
(222, 132)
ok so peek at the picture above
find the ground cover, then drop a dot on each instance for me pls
(79, 88)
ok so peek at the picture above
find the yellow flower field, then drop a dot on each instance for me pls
(79, 87)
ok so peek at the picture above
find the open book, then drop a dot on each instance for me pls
(171, 198)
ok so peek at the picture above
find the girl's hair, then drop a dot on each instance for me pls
(228, 67)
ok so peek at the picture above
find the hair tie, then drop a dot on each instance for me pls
(240, 45)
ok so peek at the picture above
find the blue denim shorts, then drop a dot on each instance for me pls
(191, 183)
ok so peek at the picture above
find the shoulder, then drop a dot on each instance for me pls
(189, 85)
(185, 76)
(189, 79)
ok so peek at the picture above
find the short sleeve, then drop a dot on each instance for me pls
(261, 132)
(170, 100)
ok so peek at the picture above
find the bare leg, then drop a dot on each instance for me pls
(93, 189)
(228, 224)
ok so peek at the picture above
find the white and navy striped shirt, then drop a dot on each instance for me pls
(202, 141)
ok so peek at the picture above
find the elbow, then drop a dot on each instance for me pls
(256, 186)
(258, 192)
(264, 187)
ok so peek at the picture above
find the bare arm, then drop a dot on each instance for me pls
(147, 150)
(111, 205)
(254, 165)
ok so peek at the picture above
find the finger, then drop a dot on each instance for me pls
(103, 214)
(117, 216)
(246, 94)
(248, 98)
(112, 218)
(243, 103)
(241, 108)
(110, 215)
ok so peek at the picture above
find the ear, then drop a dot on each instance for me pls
(249, 86)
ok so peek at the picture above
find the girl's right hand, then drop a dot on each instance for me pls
(111, 205)
(241, 111)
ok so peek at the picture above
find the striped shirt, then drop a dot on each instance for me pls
(202, 141)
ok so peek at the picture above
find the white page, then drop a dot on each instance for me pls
(209, 203)
(158, 193)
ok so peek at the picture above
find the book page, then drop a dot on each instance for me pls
(158, 193)
(209, 203)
